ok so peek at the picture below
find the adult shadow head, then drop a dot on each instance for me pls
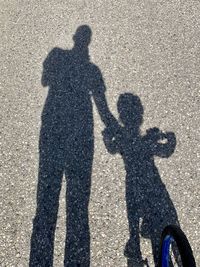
(149, 206)
(66, 148)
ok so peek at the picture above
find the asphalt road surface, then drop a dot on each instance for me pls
(149, 50)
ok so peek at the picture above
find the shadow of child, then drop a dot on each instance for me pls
(147, 199)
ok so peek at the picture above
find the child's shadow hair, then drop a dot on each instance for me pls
(149, 207)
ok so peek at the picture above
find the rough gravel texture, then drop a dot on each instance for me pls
(147, 48)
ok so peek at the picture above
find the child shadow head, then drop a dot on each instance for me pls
(130, 110)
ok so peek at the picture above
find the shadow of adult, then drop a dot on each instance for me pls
(66, 149)
(149, 206)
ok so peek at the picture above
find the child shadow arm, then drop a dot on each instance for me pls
(167, 149)
(110, 141)
(160, 144)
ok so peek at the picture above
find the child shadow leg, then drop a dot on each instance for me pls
(132, 249)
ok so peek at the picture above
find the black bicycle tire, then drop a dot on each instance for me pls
(182, 244)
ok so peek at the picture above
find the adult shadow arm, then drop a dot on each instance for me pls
(51, 67)
(104, 112)
(98, 92)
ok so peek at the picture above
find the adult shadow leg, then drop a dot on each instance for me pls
(77, 246)
(48, 191)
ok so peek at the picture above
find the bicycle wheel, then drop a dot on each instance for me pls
(175, 250)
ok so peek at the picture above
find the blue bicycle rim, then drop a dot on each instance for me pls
(165, 250)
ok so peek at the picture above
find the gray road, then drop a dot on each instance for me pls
(147, 48)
